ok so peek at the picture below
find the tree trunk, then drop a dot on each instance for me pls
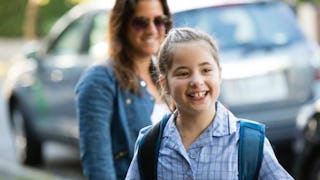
(31, 20)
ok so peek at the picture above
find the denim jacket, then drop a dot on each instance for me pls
(109, 122)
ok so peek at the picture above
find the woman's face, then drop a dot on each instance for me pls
(146, 29)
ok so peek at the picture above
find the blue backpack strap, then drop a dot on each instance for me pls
(250, 152)
(149, 150)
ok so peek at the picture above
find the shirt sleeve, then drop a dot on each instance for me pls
(271, 169)
(133, 172)
(94, 96)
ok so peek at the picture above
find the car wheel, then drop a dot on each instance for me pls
(315, 170)
(28, 148)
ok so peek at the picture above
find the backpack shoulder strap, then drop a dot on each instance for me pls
(250, 152)
(148, 150)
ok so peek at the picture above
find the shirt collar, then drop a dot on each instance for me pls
(225, 123)
(171, 127)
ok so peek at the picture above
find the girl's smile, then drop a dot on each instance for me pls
(198, 95)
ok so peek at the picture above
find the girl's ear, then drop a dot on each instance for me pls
(163, 84)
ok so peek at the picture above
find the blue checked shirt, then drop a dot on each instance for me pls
(214, 155)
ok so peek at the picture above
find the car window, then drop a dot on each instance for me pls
(69, 42)
(234, 26)
(97, 37)
(270, 20)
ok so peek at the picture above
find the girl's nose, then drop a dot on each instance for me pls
(196, 81)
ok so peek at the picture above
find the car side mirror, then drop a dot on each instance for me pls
(31, 49)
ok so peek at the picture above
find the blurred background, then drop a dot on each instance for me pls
(270, 57)
(24, 23)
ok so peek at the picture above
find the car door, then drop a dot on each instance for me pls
(72, 51)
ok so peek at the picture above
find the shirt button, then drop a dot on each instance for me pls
(143, 83)
(128, 101)
(192, 156)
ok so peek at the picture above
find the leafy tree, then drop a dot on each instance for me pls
(34, 8)
(31, 18)
(11, 17)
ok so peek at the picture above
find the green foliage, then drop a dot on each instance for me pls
(12, 16)
(312, 1)
(50, 13)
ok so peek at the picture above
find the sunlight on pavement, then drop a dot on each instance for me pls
(3, 69)
(10, 47)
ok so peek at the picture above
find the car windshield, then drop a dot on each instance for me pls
(244, 26)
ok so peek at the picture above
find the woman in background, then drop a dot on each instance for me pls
(117, 98)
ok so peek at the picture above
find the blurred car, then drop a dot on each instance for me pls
(307, 145)
(268, 67)
(40, 86)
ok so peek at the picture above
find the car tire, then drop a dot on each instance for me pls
(314, 173)
(27, 147)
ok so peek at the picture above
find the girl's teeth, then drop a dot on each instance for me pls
(199, 94)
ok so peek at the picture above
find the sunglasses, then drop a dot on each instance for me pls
(142, 23)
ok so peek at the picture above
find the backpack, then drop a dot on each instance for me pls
(250, 150)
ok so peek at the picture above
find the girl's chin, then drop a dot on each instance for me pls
(202, 106)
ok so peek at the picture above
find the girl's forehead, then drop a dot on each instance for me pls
(191, 49)
(193, 44)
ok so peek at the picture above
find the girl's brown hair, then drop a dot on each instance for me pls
(119, 47)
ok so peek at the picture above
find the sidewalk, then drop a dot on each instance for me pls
(15, 172)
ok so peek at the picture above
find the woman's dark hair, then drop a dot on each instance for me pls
(120, 15)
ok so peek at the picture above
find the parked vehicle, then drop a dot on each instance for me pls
(40, 86)
(268, 69)
(307, 145)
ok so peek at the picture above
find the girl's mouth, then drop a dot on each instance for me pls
(198, 94)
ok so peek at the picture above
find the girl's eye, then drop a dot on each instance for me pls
(182, 74)
(206, 70)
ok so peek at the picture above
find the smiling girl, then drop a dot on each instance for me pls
(200, 139)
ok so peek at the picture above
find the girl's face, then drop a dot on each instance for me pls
(193, 81)
(146, 29)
